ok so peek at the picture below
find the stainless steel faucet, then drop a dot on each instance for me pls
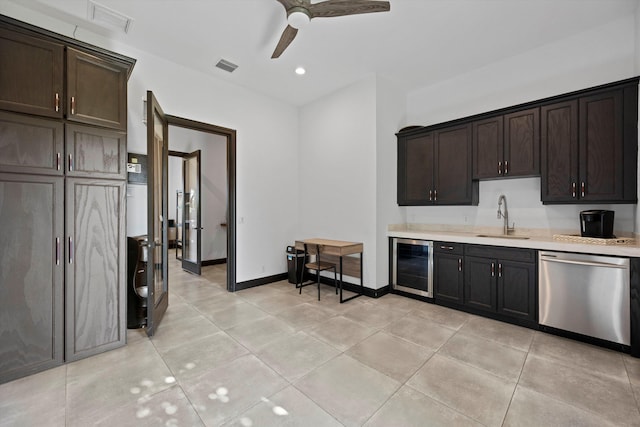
(505, 215)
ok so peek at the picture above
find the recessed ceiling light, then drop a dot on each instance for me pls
(300, 71)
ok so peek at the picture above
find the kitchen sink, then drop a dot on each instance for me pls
(503, 236)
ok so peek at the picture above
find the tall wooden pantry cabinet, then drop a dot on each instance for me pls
(63, 151)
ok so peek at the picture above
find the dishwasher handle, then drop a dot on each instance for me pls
(546, 258)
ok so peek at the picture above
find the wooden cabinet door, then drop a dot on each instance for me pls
(559, 152)
(452, 180)
(480, 283)
(96, 153)
(601, 154)
(30, 145)
(448, 277)
(95, 270)
(31, 80)
(96, 90)
(415, 170)
(488, 148)
(522, 143)
(31, 275)
(517, 290)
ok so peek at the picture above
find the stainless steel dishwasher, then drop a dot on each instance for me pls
(586, 294)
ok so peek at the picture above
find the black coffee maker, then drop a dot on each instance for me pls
(597, 223)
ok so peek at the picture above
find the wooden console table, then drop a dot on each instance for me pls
(339, 249)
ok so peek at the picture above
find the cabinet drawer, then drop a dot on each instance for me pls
(499, 252)
(448, 247)
(30, 145)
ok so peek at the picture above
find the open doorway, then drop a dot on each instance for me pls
(215, 241)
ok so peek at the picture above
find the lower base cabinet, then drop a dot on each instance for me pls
(501, 282)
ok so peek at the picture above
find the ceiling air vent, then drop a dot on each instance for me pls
(106, 17)
(223, 64)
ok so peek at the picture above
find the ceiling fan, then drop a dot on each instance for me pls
(300, 12)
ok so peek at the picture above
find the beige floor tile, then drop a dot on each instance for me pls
(504, 333)
(166, 408)
(181, 332)
(589, 390)
(113, 379)
(288, 407)
(201, 355)
(632, 364)
(209, 305)
(227, 391)
(500, 360)
(391, 355)
(340, 332)
(469, 390)
(410, 408)
(236, 314)
(255, 335)
(399, 302)
(574, 353)
(293, 356)
(531, 409)
(274, 304)
(445, 316)
(347, 389)
(413, 328)
(374, 315)
(258, 293)
(305, 315)
(36, 400)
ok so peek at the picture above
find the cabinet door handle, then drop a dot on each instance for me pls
(448, 248)
(499, 168)
(582, 189)
(459, 264)
(73, 105)
(573, 190)
(430, 195)
(506, 167)
(70, 162)
(57, 102)
(493, 269)
(58, 159)
(500, 270)
(57, 251)
(70, 250)
(435, 195)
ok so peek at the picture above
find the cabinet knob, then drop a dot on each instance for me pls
(57, 251)
(499, 168)
(430, 195)
(70, 163)
(57, 102)
(70, 250)
(493, 269)
(73, 105)
(459, 264)
(582, 186)
(447, 248)
(435, 195)
(506, 167)
(573, 190)
(500, 270)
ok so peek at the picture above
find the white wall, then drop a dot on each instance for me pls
(267, 134)
(602, 55)
(337, 160)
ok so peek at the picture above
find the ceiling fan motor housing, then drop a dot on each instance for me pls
(298, 17)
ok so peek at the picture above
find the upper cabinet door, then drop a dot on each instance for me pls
(31, 80)
(96, 90)
(522, 143)
(453, 184)
(559, 152)
(601, 147)
(488, 148)
(30, 144)
(415, 170)
(94, 152)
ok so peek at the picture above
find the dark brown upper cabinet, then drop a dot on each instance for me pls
(31, 80)
(434, 167)
(589, 148)
(94, 152)
(507, 146)
(96, 90)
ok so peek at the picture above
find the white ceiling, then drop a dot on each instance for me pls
(418, 43)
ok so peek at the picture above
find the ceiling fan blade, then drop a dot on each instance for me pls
(332, 8)
(287, 37)
(288, 4)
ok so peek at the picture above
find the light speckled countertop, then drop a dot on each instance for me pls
(536, 238)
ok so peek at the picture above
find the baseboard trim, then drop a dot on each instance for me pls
(352, 287)
(261, 281)
(214, 261)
